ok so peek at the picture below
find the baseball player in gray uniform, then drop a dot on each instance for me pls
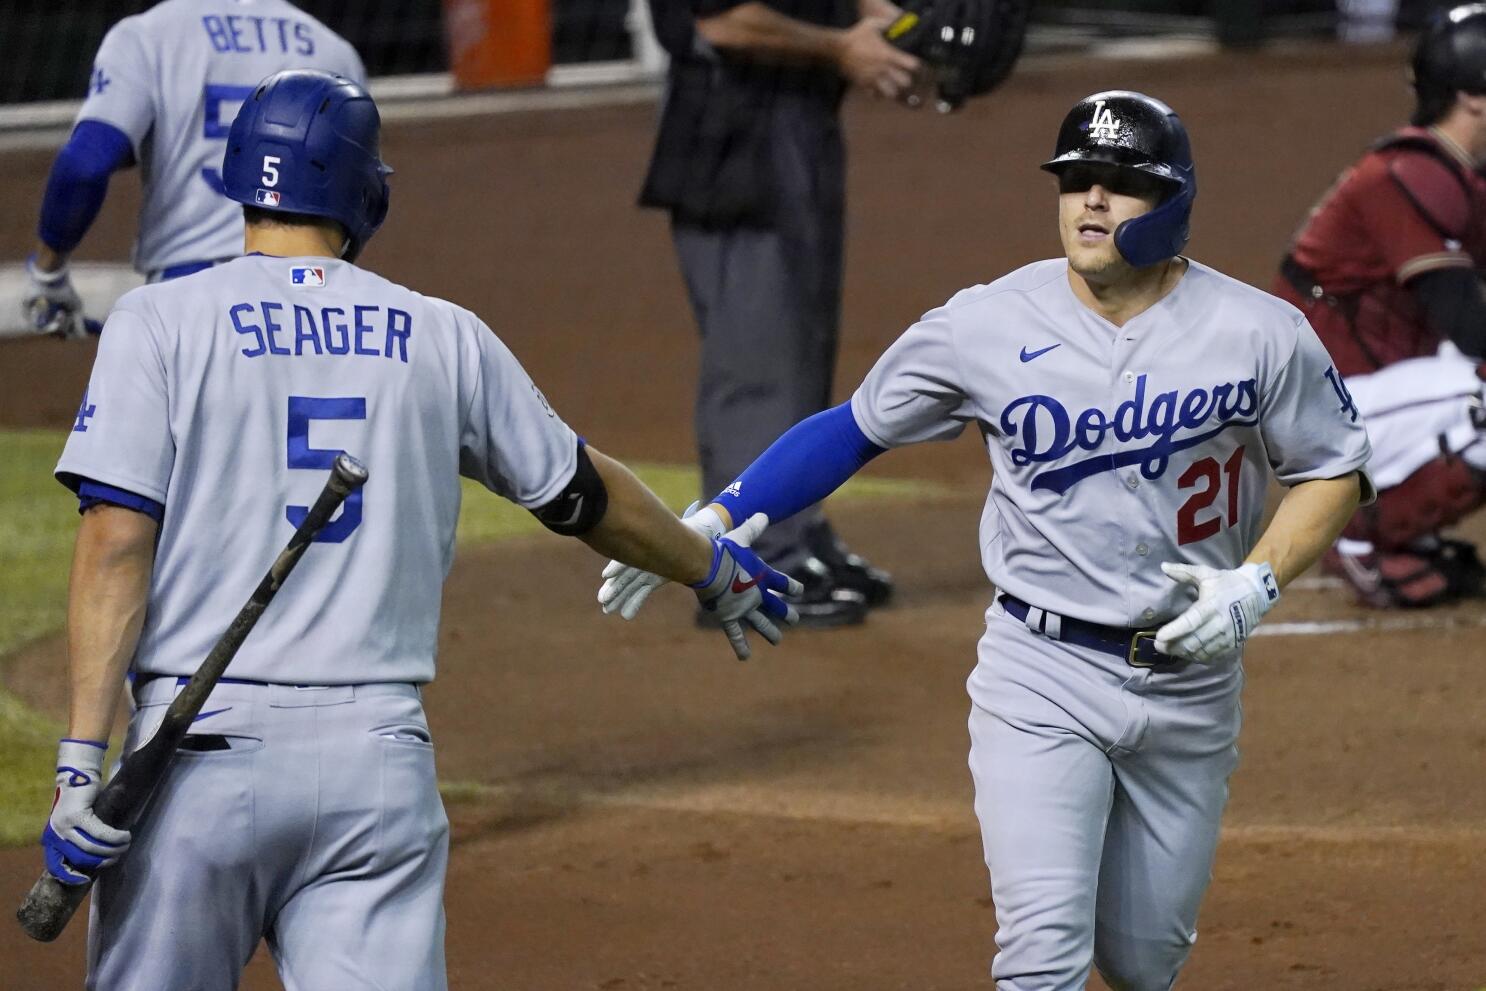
(303, 807)
(1134, 404)
(166, 85)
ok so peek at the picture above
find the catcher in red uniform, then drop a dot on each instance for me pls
(1388, 268)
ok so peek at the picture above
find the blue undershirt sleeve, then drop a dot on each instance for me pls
(91, 493)
(79, 181)
(812, 460)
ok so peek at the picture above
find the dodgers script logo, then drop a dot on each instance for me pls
(1048, 432)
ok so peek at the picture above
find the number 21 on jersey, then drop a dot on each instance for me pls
(1193, 522)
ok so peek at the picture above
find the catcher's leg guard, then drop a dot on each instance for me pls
(1391, 580)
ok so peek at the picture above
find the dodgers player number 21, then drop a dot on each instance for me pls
(1133, 404)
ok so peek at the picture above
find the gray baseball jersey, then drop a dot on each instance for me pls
(172, 79)
(1118, 448)
(225, 395)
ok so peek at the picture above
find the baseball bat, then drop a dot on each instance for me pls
(50, 904)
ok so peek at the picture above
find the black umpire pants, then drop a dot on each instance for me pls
(767, 302)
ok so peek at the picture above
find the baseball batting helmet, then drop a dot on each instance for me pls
(1134, 131)
(1450, 56)
(308, 142)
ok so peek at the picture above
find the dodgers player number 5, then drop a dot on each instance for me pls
(302, 807)
(1133, 404)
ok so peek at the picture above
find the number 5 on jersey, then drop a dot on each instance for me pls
(303, 409)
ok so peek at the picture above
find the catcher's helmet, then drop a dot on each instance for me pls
(1450, 56)
(307, 142)
(1134, 131)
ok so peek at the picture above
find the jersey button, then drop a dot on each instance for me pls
(1132, 481)
(1129, 376)
(1148, 614)
(1142, 549)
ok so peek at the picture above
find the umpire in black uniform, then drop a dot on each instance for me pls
(750, 162)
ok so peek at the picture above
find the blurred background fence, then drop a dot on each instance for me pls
(49, 45)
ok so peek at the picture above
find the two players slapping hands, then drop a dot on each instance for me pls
(741, 588)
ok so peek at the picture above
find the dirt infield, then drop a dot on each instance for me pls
(640, 812)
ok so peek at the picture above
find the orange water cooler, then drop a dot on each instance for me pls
(498, 42)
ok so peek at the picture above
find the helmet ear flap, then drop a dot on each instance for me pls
(1161, 233)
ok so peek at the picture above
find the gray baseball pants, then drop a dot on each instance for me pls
(319, 829)
(1099, 788)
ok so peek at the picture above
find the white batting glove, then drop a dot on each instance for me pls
(51, 305)
(76, 842)
(1229, 605)
(626, 588)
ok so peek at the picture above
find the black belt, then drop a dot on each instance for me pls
(1137, 647)
(139, 681)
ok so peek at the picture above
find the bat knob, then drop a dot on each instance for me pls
(349, 471)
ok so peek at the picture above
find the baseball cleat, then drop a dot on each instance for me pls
(1462, 567)
(850, 570)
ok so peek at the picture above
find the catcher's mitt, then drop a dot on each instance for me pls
(970, 46)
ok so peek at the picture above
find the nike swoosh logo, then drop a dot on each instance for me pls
(206, 715)
(740, 586)
(1029, 355)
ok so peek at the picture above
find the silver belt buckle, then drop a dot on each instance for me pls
(1132, 657)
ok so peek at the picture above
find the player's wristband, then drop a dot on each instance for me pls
(49, 279)
(711, 571)
(1262, 575)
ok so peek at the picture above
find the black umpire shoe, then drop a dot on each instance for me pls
(851, 571)
(823, 604)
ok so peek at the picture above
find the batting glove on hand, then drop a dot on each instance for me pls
(626, 588)
(76, 842)
(1229, 605)
(741, 587)
(51, 305)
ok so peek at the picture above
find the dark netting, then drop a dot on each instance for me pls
(49, 46)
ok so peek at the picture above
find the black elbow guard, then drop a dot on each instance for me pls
(581, 506)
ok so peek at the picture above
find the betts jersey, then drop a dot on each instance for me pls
(172, 80)
(1117, 448)
(225, 396)
(1413, 204)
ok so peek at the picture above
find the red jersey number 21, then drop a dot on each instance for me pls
(1193, 522)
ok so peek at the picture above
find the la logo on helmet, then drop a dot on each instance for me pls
(1104, 126)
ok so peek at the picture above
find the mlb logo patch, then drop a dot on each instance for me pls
(310, 277)
(267, 197)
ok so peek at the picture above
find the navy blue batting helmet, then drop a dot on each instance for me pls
(1134, 131)
(308, 142)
